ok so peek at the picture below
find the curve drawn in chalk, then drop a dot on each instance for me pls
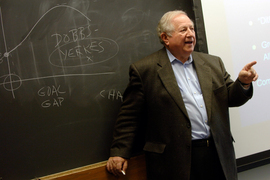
(108, 49)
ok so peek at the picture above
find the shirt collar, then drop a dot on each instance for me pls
(172, 58)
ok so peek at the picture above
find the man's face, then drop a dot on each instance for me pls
(182, 41)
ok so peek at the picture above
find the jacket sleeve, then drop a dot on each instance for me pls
(237, 95)
(130, 117)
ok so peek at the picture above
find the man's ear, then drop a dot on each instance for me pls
(164, 37)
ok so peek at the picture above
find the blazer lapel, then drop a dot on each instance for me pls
(168, 79)
(205, 79)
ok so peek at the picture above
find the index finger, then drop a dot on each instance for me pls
(249, 65)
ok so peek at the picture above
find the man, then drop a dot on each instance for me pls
(182, 98)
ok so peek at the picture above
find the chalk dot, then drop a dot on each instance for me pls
(6, 54)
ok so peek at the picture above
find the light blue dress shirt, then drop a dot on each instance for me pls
(189, 86)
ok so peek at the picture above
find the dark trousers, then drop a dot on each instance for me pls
(205, 164)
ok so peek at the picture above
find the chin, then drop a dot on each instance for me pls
(189, 50)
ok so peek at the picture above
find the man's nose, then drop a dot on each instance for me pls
(190, 32)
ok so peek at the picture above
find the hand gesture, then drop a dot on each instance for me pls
(248, 74)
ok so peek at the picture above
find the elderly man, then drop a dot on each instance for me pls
(182, 98)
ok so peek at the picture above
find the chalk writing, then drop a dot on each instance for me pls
(73, 35)
(77, 48)
(111, 94)
(52, 93)
(55, 102)
(91, 51)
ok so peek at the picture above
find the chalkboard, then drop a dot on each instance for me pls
(63, 70)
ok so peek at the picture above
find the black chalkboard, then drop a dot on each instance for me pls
(63, 70)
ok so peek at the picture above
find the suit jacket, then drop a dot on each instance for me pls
(153, 105)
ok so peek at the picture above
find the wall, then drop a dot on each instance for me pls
(259, 173)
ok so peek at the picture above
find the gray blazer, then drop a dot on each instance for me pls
(153, 101)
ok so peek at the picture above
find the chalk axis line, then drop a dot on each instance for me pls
(11, 81)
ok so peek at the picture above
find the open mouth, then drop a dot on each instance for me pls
(189, 42)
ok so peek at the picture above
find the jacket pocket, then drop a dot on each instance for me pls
(154, 147)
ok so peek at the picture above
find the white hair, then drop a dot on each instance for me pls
(165, 24)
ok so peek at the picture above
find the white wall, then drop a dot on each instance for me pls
(226, 21)
(235, 32)
(259, 173)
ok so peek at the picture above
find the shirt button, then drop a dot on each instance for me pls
(201, 106)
